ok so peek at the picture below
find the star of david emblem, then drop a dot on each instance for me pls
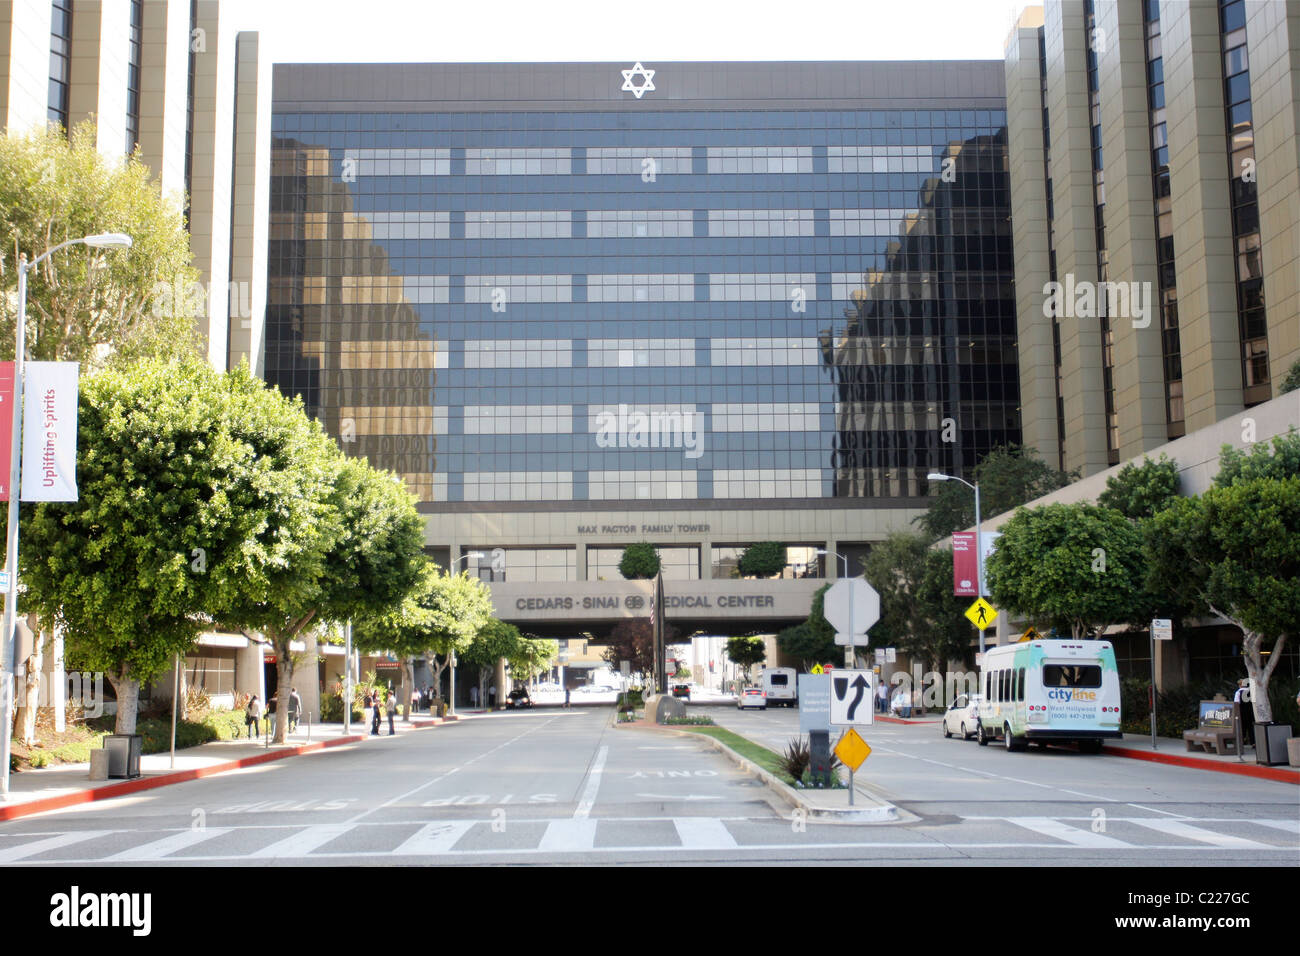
(648, 76)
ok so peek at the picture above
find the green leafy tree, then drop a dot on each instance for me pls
(85, 305)
(440, 616)
(632, 640)
(532, 656)
(640, 561)
(174, 515)
(917, 609)
(1236, 549)
(1277, 459)
(1074, 567)
(1139, 491)
(1291, 381)
(947, 633)
(746, 651)
(809, 645)
(762, 560)
(1008, 477)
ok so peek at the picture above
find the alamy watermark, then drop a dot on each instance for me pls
(1082, 299)
(80, 686)
(632, 427)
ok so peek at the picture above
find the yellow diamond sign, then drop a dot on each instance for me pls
(981, 613)
(852, 750)
(817, 669)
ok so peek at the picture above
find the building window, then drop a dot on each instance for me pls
(60, 60)
(133, 64)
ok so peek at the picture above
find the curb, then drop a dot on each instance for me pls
(906, 722)
(1241, 769)
(90, 795)
(884, 813)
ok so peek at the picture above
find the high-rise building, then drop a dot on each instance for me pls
(701, 304)
(1155, 173)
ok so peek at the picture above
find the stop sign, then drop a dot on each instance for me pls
(851, 606)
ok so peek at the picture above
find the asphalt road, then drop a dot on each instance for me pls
(566, 787)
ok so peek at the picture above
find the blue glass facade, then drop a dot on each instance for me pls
(647, 303)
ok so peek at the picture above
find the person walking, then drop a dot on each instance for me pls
(882, 697)
(473, 696)
(374, 714)
(295, 709)
(253, 717)
(271, 707)
(391, 706)
(567, 691)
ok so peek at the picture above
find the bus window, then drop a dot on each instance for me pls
(1020, 692)
(1071, 675)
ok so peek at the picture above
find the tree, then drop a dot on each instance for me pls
(1236, 548)
(762, 560)
(1008, 477)
(1291, 381)
(917, 609)
(632, 640)
(947, 633)
(1076, 567)
(442, 614)
(532, 656)
(640, 561)
(175, 495)
(92, 306)
(746, 651)
(1278, 459)
(809, 645)
(1139, 491)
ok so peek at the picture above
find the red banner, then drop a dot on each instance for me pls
(964, 564)
(6, 426)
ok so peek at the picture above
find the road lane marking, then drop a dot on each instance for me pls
(1072, 835)
(161, 848)
(703, 833)
(49, 843)
(303, 842)
(1187, 831)
(433, 838)
(568, 836)
(593, 784)
(1290, 826)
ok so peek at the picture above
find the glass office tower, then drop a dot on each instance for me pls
(587, 287)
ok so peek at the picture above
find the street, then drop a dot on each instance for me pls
(568, 787)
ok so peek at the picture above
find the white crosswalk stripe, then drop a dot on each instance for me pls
(1188, 832)
(703, 833)
(433, 838)
(1072, 835)
(26, 850)
(167, 845)
(569, 836)
(304, 841)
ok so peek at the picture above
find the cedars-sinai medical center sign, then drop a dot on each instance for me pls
(49, 442)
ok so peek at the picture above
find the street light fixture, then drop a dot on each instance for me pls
(979, 537)
(105, 240)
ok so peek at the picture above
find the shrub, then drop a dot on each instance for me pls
(691, 720)
(797, 757)
(640, 561)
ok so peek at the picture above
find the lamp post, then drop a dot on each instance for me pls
(451, 680)
(99, 241)
(850, 652)
(979, 538)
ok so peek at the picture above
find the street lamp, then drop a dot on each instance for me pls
(979, 538)
(105, 240)
(451, 680)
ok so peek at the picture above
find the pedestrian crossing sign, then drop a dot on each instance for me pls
(982, 614)
(817, 669)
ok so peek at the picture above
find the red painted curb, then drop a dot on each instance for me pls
(47, 804)
(1242, 769)
(909, 721)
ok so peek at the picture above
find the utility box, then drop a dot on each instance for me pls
(124, 752)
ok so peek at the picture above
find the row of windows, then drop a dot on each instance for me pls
(647, 119)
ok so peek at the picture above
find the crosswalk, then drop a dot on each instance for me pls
(413, 841)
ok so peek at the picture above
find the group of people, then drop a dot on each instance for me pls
(253, 712)
(373, 701)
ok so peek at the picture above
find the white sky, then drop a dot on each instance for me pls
(626, 30)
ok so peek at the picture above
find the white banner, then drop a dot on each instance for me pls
(50, 431)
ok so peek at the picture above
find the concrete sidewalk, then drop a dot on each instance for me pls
(66, 785)
(1174, 752)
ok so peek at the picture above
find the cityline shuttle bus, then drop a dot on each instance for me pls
(779, 686)
(1050, 690)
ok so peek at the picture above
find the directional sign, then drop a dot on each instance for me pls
(981, 613)
(1162, 629)
(852, 749)
(852, 699)
(851, 606)
(814, 703)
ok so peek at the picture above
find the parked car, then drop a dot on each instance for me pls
(963, 717)
(519, 698)
(682, 690)
(752, 697)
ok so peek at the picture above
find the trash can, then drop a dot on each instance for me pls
(124, 752)
(1270, 743)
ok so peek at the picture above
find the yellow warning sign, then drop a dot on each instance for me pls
(817, 669)
(852, 749)
(982, 614)
(1030, 635)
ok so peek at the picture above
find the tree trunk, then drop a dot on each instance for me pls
(31, 689)
(283, 687)
(408, 686)
(127, 689)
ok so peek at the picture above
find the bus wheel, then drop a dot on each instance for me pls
(980, 735)
(1014, 745)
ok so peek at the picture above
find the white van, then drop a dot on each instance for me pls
(1066, 691)
(779, 684)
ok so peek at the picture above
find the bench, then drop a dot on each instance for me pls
(1216, 728)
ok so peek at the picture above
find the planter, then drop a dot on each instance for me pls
(1271, 743)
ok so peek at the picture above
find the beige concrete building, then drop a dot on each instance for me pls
(1154, 179)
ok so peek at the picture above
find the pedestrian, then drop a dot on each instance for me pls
(253, 716)
(270, 710)
(295, 709)
(473, 696)
(1242, 699)
(882, 697)
(415, 700)
(566, 698)
(374, 714)
(391, 705)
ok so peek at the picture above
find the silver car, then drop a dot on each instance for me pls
(963, 716)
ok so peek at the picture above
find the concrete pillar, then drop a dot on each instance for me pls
(24, 64)
(250, 204)
(100, 41)
(250, 675)
(56, 681)
(307, 678)
(503, 685)
(164, 61)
